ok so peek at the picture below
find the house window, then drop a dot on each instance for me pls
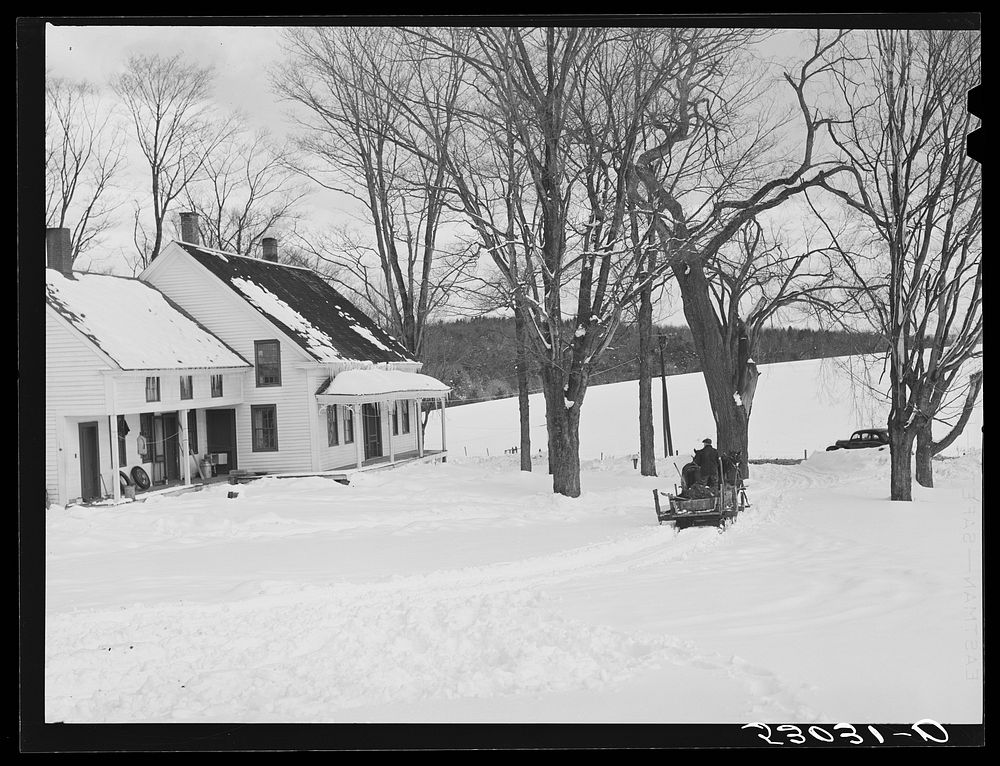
(217, 385)
(193, 431)
(187, 387)
(264, 420)
(152, 389)
(348, 425)
(267, 356)
(332, 434)
(400, 413)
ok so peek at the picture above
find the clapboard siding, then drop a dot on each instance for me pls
(238, 325)
(338, 455)
(130, 392)
(74, 388)
(74, 380)
(402, 442)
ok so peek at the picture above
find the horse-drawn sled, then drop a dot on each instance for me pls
(700, 504)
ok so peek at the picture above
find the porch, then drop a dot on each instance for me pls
(383, 462)
(342, 474)
(167, 487)
(151, 447)
(380, 407)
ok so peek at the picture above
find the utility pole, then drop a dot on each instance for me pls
(668, 446)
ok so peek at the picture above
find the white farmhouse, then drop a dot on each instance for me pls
(250, 364)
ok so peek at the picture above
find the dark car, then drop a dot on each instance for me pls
(866, 437)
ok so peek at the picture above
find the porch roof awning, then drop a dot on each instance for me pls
(360, 386)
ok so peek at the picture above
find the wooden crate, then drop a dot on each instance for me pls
(694, 504)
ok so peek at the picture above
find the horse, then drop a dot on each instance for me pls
(731, 473)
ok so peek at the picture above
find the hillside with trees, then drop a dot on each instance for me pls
(476, 357)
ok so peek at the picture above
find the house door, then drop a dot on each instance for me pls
(372, 429)
(90, 462)
(220, 438)
(164, 450)
(171, 446)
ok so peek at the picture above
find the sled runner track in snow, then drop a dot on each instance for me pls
(417, 624)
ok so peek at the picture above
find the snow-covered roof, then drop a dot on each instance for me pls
(369, 385)
(304, 306)
(135, 324)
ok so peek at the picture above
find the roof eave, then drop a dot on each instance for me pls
(380, 396)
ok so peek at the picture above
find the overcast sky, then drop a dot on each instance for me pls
(241, 57)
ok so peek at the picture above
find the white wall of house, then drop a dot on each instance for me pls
(238, 325)
(301, 421)
(74, 385)
(342, 454)
(81, 385)
(130, 390)
(402, 442)
(70, 439)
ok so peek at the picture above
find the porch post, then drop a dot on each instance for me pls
(390, 411)
(419, 425)
(182, 428)
(444, 443)
(358, 431)
(116, 486)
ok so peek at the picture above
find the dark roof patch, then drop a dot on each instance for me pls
(335, 321)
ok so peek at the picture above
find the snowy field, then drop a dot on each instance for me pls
(799, 407)
(467, 592)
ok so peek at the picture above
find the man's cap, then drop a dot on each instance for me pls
(706, 441)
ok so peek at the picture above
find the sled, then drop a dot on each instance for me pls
(720, 510)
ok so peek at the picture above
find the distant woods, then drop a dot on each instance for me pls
(476, 356)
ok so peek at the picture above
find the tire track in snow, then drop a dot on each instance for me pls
(307, 641)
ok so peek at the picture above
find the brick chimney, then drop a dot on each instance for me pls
(190, 229)
(270, 248)
(59, 250)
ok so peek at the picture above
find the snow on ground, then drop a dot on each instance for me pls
(466, 591)
(798, 407)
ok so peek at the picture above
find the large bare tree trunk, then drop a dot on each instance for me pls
(564, 435)
(901, 463)
(522, 387)
(731, 418)
(647, 455)
(924, 454)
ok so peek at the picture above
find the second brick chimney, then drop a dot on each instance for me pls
(59, 250)
(190, 232)
(269, 246)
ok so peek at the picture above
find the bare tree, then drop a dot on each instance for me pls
(716, 162)
(176, 127)
(567, 106)
(348, 83)
(246, 190)
(83, 155)
(918, 196)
